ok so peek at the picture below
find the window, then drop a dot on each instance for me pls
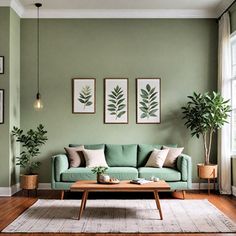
(233, 100)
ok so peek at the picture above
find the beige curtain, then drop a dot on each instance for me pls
(224, 87)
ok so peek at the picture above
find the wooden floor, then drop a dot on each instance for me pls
(12, 207)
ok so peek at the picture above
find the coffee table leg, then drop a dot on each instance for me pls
(158, 203)
(83, 201)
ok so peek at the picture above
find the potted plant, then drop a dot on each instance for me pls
(204, 115)
(31, 141)
(100, 171)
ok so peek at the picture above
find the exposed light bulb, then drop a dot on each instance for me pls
(38, 104)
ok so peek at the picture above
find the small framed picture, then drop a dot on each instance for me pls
(116, 101)
(1, 64)
(83, 95)
(148, 100)
(1, 106)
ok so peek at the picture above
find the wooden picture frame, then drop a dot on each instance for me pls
(148, 100)
(83, 96)
(1, 64)
(116, 101)
(1, 106)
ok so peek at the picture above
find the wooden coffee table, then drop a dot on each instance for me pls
(87, 186)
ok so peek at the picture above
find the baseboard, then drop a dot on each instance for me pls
(5, 191)
(9, 191)
(203, 186)
(15, 188)
(234, 190)
(44, 186)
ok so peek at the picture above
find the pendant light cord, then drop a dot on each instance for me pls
(38, 48)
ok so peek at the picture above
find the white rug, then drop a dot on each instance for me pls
(122, 216)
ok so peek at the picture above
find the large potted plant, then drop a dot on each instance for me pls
(31, 141)
(205, 114)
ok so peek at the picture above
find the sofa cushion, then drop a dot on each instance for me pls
(95, 158)
(145, 150)
(157, 158)
(75, 155)
(123, 173)
(121, 155)
(81, 173)
(89, 146)
(172, 156)
(166, 174)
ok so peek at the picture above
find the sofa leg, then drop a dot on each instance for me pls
(184, 193)
(62, 194)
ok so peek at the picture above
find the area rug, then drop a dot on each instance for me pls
(122, 216)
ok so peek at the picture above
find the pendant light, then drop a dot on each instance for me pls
(38, 105)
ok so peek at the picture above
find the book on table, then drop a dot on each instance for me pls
(140, 181)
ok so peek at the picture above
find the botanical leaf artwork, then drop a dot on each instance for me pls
(148, 104)
(85, 96)
(117, 102)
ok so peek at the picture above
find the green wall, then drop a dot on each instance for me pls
(183, 53)
(10, 82)
(4, 84)
(14, 88)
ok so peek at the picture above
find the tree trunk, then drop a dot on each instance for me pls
(205, 147)
(209, 146)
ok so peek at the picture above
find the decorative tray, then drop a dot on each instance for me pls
(111, 182)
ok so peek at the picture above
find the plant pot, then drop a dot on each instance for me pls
(102, 178)
(99, 181)
(29, 181)
(207, 171)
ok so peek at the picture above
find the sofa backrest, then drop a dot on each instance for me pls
(145, 150)
(89, 146)
(129, 155)
(121, 155)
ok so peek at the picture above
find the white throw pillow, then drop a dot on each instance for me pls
(172, 156)
(157, 158)
(95, 158)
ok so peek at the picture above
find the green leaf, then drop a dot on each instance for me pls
(120, 107)
(111, 109)
(111, 105)
(121, 113)
(144, 92)
(148, 87)
(144, 109)
(143, 115)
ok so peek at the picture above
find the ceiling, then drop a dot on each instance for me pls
(120, 8)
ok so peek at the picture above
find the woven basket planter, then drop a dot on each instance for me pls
(29, 181)
(207, 171)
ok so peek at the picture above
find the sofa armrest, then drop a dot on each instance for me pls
(184, 165)
(59, 164)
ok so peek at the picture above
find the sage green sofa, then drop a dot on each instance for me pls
(125, 162)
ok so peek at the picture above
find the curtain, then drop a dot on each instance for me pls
(224, 87)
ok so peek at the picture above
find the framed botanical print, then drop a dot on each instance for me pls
(83, 95)
(1, 106)
(116, 101)
(1, 64)
(148, 100)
